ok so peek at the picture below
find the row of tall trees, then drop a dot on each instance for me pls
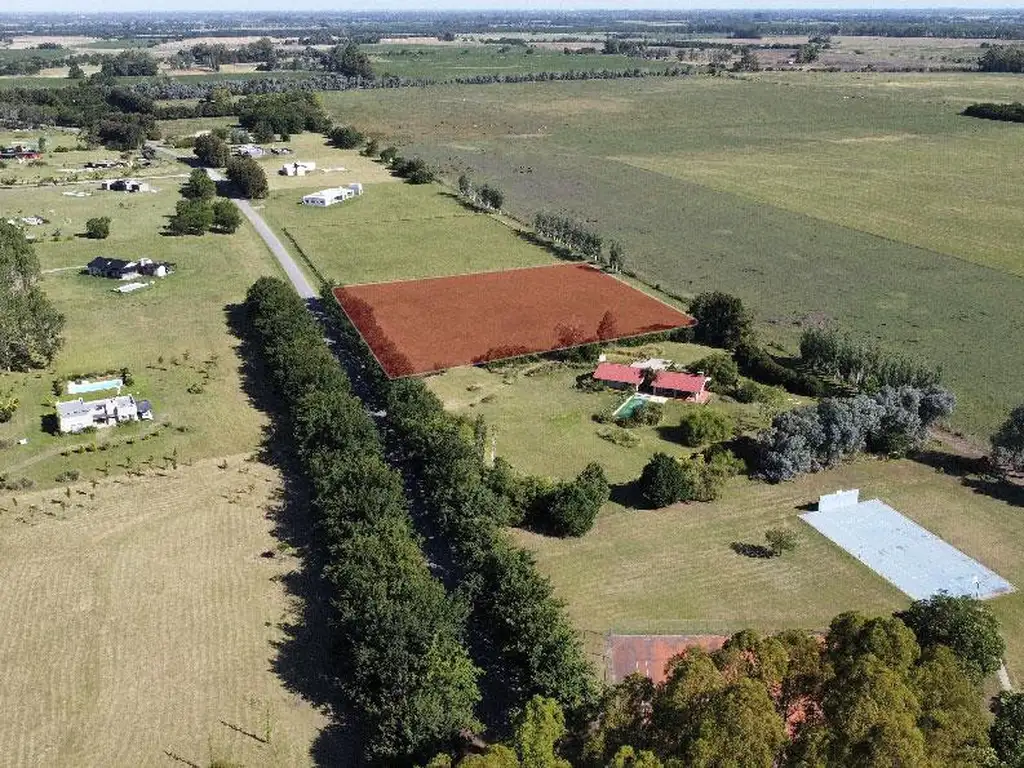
(891, 422)
(30, 326)
(535, 649)
(527, 644)
(1002, 58)
(484, 196)
(568, 234)
(862, 366)
(398, 655)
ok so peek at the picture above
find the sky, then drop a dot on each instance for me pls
(66, 6)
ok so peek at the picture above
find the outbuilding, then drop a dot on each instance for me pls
(326, 197)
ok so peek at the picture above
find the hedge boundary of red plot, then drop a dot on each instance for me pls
(405, 322)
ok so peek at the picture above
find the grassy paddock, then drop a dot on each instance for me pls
(334, 167)
(397, 231)
(173, 335)
(798, 211)
(140, 620)
(672, 570)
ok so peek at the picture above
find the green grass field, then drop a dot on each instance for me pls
(173, 335)
(863, 198)
(442, 62)
(396, 231)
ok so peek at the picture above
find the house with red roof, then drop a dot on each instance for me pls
(619, 376)
(685, 386)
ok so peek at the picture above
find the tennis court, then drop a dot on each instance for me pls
(916, 561)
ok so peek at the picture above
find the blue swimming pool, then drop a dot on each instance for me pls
(77, 388)
(628, 408)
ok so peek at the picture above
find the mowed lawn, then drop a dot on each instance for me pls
(861, 198)
(396, 231)
(673, 571)
(140, 623)
(173, 335)
(334, 167)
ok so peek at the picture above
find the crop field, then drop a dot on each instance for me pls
(419, 326)
(862, 198)
(396, 231)
(173, 336)
(141, 619)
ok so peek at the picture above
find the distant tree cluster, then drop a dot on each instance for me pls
(891, 422)
(347, 60)
(1002, 58)
(131, 63)
(865, 367)
(282, 114)
(486, 196)
(1012, 113)
(30, 326)
(345, 137)
(414, 170)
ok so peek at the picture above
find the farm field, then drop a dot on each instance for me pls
(396, 231)
(173, 336)
(441, 62)
(742, 205)
(141, 622)
(496, 315)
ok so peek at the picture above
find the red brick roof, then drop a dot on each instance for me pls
(680, 382)
(622, 374)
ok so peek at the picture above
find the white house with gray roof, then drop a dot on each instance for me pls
(75, 415)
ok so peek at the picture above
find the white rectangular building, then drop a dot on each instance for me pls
(326, 197)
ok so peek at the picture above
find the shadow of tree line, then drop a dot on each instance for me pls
(303, 657)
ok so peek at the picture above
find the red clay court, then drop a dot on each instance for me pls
(420, 326)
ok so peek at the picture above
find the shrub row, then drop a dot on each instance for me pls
(522, 630)
(1013, 113)
(399, 659)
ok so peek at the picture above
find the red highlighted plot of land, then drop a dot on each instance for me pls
(420, 326)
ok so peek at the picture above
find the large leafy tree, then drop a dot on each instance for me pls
(249, 177)
(211, 150)
(966, 626)
(1007, 730)
(722, 320)
(1008, 442)
(30, 326)
(540, 728)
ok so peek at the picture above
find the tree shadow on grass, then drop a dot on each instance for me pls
(628, 495)
(756, 551)
(305, 655)
(976, 473)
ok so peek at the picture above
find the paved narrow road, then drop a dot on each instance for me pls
(302, 286)
(298, 280)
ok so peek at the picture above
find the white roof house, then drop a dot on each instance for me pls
(298, 168)
(333, 195)
(76, 415)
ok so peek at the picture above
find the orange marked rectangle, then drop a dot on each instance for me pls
(421, 326)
